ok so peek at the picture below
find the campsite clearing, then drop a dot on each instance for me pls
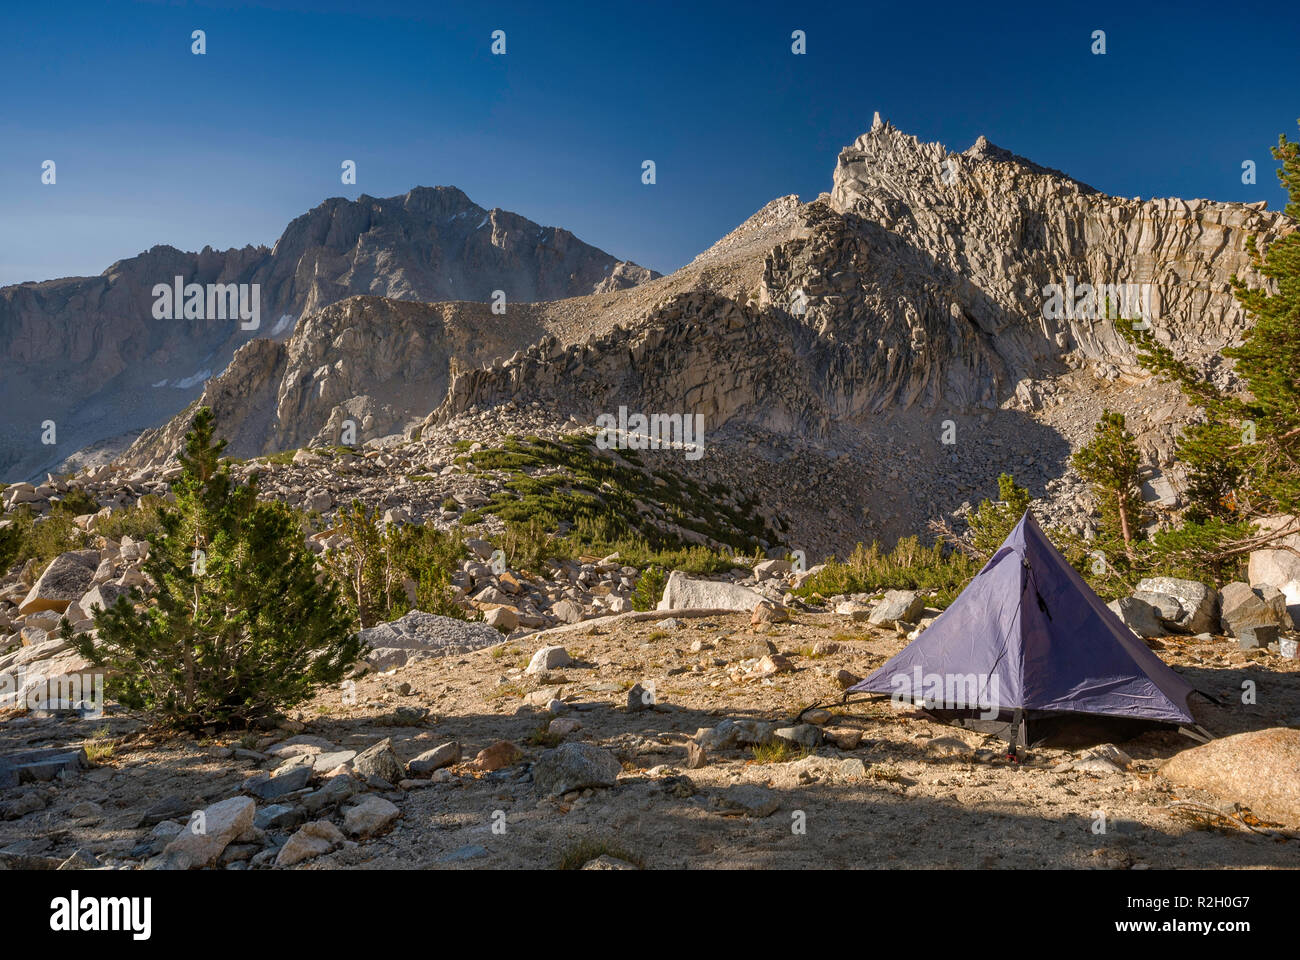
(895, 792)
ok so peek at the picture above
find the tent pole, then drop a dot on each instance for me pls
(1013, 735)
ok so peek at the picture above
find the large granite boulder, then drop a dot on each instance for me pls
(683, 593)
(574, 766)
(1279, 567)
(905, 605)
(1260, 769)
(1243, 607)
(66, 579)
(1139, 616)
(209, 833)
(1198, 603)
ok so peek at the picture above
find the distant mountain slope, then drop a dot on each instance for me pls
(844, 332)
(88, 353)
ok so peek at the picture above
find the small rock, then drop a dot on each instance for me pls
(606, 862)
(640, 697)
(500, 754)
(747, 800)
(431, 760)
(950, 747)
(574, 766)
(380, 761)
(371, 816)
(548, 658)
(312, 840)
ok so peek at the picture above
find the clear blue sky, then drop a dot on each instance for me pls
(156, 145)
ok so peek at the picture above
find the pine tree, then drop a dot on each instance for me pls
(993, 522)
(1110, 462)
(240, 625)
(1244, 458)
(377, 561)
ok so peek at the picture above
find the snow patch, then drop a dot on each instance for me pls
(192, 380)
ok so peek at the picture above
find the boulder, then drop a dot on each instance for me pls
(854, 610)
(905, 605)
(423, 636)
(641, 697)
(1166, 608)
(210, 832)
(548, 658)
(747, 800)
(567, 611)
(504, 619)
(66, 579)
(574, 766)
(1242, 606)
(1139, 616)
(312, 840)
(768, 569)
(435, 759)
(1278, 566)
(1258, 769)
(803, 735)
(103, 595)
(371, 816)
(1198, 603)
(1256, 638)
(735, 733)
(380, 761)
(766, 611)
(683, 593)
(39, 766)
(496, 756)
(285, 780)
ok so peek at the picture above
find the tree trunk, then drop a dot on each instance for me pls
(1122, 504)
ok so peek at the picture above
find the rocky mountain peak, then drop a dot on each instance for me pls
(122, 369)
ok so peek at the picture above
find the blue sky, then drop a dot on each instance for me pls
(156, 145)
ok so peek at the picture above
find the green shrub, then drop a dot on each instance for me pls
(29, 537)
(529, 543)
(142, 521)
(649, 589)
(375, 563)
(908, 566)
(78, 503)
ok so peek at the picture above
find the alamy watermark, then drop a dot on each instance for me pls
(948, 691)
(1102, 301)
(83, 692)
(655, 431)
(215, 301)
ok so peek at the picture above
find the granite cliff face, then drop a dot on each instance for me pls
(87, 352)
(378, 363)
(919, 281)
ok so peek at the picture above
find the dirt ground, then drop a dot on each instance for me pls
(906, 804)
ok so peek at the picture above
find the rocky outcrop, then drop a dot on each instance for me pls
(378, 363)
(121, 369)
(924, 279)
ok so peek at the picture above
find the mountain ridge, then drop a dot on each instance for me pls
(97, 338)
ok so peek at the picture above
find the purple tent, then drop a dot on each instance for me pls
(1028, 641)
